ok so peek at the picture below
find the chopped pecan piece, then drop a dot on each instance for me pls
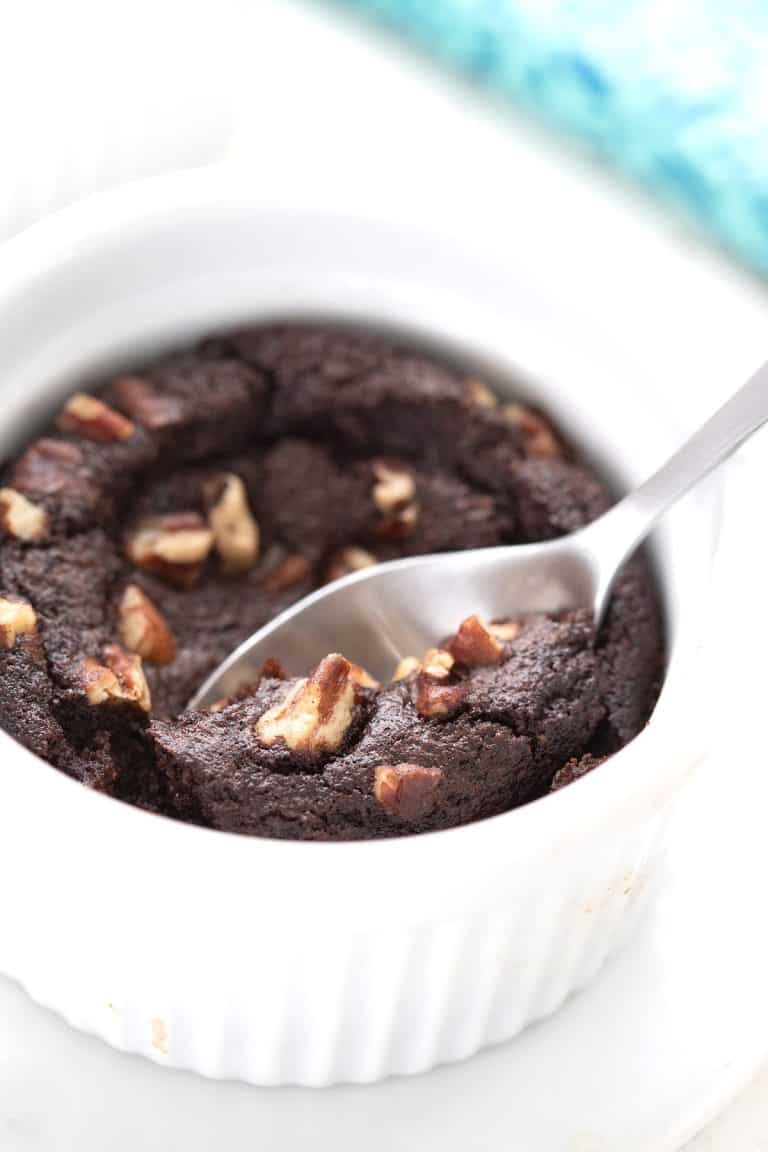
(394, 493)
(235, 532)
(394, 488)
(406, 667)
(538, 438)
(506, 632)
(438, 663)
(363, 677)
(50, 467)
(289, 571)
(17, 618)
(406, 790)
(346, 560)
(478, 393)
(87, 416)
(117, 679)
(174, 547)
(143, 628)
(435, 699)
(316, 714)
(20, 517)
(474, 645)
(430, 695)
(148, 407)
(400, 524)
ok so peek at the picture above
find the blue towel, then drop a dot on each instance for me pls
(673, 92)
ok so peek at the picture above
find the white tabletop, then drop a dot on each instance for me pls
(310, 100)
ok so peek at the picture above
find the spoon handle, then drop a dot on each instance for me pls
(613, 537)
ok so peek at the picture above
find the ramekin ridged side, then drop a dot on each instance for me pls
(334, 1005)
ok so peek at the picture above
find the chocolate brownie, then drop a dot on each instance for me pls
(160, 520)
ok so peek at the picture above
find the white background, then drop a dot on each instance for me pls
(92, 94)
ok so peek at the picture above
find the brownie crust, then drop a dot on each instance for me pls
(160, 521)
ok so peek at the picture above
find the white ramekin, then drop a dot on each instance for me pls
(309, 963)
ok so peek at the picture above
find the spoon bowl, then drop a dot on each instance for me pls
(384, 613)
(378, 616)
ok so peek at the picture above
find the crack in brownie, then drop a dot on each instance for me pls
(156, 525)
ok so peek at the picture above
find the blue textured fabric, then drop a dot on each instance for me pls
(674, 92)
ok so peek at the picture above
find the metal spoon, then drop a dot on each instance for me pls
(383, 613)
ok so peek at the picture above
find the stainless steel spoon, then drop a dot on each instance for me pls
(381, 614)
